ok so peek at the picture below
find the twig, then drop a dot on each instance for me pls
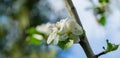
(102, 53)
(84, 42)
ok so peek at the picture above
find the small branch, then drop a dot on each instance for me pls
(102, 53)
(86, 47)
(84, 42)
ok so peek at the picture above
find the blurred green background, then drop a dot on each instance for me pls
(16, 16)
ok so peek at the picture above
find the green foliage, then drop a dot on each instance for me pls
(99, 10)
(33, 40)
(102, 20)
(110, 47)
(103, 1)
(65, 44)
(2, 32)
(32, 31)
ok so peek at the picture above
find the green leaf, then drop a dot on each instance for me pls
(99, 10)
(32, 30)
(33, 40)
(103, 1)
(65, 44)
(110, 47)
(115, 47)
(102, 20)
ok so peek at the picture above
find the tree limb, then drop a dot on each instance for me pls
(83, 41)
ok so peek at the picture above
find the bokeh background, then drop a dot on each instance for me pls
(16, 16)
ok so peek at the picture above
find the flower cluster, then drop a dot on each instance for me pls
(45, 28)
(65, 29)
(39, 34)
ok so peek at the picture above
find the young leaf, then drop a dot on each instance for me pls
(34, 31)
(115, 47)
(103, 1)
(31, 31)
(65, 44)
(111, 47)
(102, 20)
(33, 40)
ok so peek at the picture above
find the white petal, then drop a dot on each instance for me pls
(70, 24)
(37, 36)
(77, 30)
(74, 27)
(63, 37)
(45, 28)
(75, 38)
(62, 26)
(53, 37)
(56, 40)
(50, 38)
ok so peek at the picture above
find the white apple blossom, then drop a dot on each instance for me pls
(45, 28)
(66, 28)
(53, 36)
